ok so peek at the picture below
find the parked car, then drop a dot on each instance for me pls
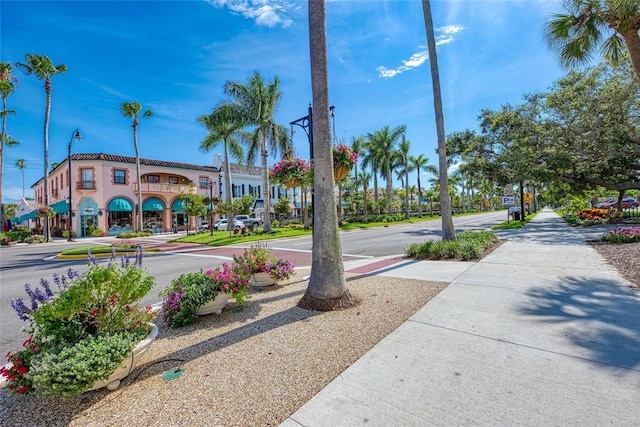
(221, 225)
(606, 203)
(627, 203)
(204, 225)
(247, 220)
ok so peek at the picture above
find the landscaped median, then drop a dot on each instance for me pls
(113, 251)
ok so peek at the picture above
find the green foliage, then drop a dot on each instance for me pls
(70, 370)
(468, 245)
(191, 290)
(281, 207)
(36, 238)
(132, 235)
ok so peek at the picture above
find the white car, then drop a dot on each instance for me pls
(221, 225)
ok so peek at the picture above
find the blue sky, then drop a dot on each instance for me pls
(174, 58)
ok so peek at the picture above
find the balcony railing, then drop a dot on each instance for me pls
(150, 187)
(86, 185)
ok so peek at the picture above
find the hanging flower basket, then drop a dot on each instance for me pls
(344, 158)
(290, 172)
(45, 212)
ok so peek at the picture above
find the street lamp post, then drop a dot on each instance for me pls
(211, 184)
(306, 123)
(74, 135)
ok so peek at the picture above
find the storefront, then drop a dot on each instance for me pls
(119, 216)
(152, 215)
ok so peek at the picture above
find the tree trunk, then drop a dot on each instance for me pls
(448, 232)
(228, 185)
(2, 145)
(139, 177)
(327, 288)
(46, 228)
(266, 191)
(632, 40)
(419, 195)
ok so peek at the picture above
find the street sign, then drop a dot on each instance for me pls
(528, 197)
(508, 190)
(508, 200)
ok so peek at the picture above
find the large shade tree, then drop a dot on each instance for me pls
(7, 85)
(256, 103)
(131, 110)
(587, 27)
(448, 231)
(43, 69)
(327, 289)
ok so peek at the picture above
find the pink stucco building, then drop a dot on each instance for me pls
(104, 192)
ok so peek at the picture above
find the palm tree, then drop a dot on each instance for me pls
(448, 232)
(131, 110)
(327, 289)
(384, 141)
(365, 178)
(22, 165)
(418, 163)
(42, 67)
(403, 160)
(357, 145)
(7, 84)
(256, 103)
(371, 159)
(578, 33)
(224, 126)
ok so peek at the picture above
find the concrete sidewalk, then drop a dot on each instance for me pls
(542, 332)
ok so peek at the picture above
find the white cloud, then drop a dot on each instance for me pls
(268, 13)
(420, 57)
(451, 29)
(416, 60)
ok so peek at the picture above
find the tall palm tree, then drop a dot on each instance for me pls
(577, 34)
(448, 231)
(131, 110)
(43, 69)
(357, 145)
(22, 165)
(384, 141)
(418, 163)
(372, 157)
(256, 103)
(223, 125)
(7, 85)
(403, 160)
(327, 289)
(365, 178)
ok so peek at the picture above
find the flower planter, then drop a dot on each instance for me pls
(292, 183)
(340, 173)
(129, 363)
(261, 279)
(214, 306)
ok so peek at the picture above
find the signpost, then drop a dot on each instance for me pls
(508, 201)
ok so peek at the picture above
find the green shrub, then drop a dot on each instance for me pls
(468, 245)
(36, 238)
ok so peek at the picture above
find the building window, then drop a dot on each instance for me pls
(87, 179)
(153, 178)
(119, 176)
(236, 191)
(204, 182)
(173, 180)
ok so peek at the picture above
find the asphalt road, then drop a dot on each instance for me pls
(28, 264)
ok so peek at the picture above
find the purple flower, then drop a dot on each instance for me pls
(22, 310)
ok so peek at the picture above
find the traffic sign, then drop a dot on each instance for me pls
(508, 190)
(508, 200)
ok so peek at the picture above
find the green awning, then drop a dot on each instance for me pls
(178, 205)
(153, 204)
(120, 204)
(60, 207)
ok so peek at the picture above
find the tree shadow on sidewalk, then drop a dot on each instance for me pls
(601, 316)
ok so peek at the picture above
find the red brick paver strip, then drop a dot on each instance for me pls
(375, 265)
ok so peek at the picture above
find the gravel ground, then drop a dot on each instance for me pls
(249, 366)
(623, 257)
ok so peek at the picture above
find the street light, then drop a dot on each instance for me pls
(211, 184)
(306, 123)
(74, 135)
